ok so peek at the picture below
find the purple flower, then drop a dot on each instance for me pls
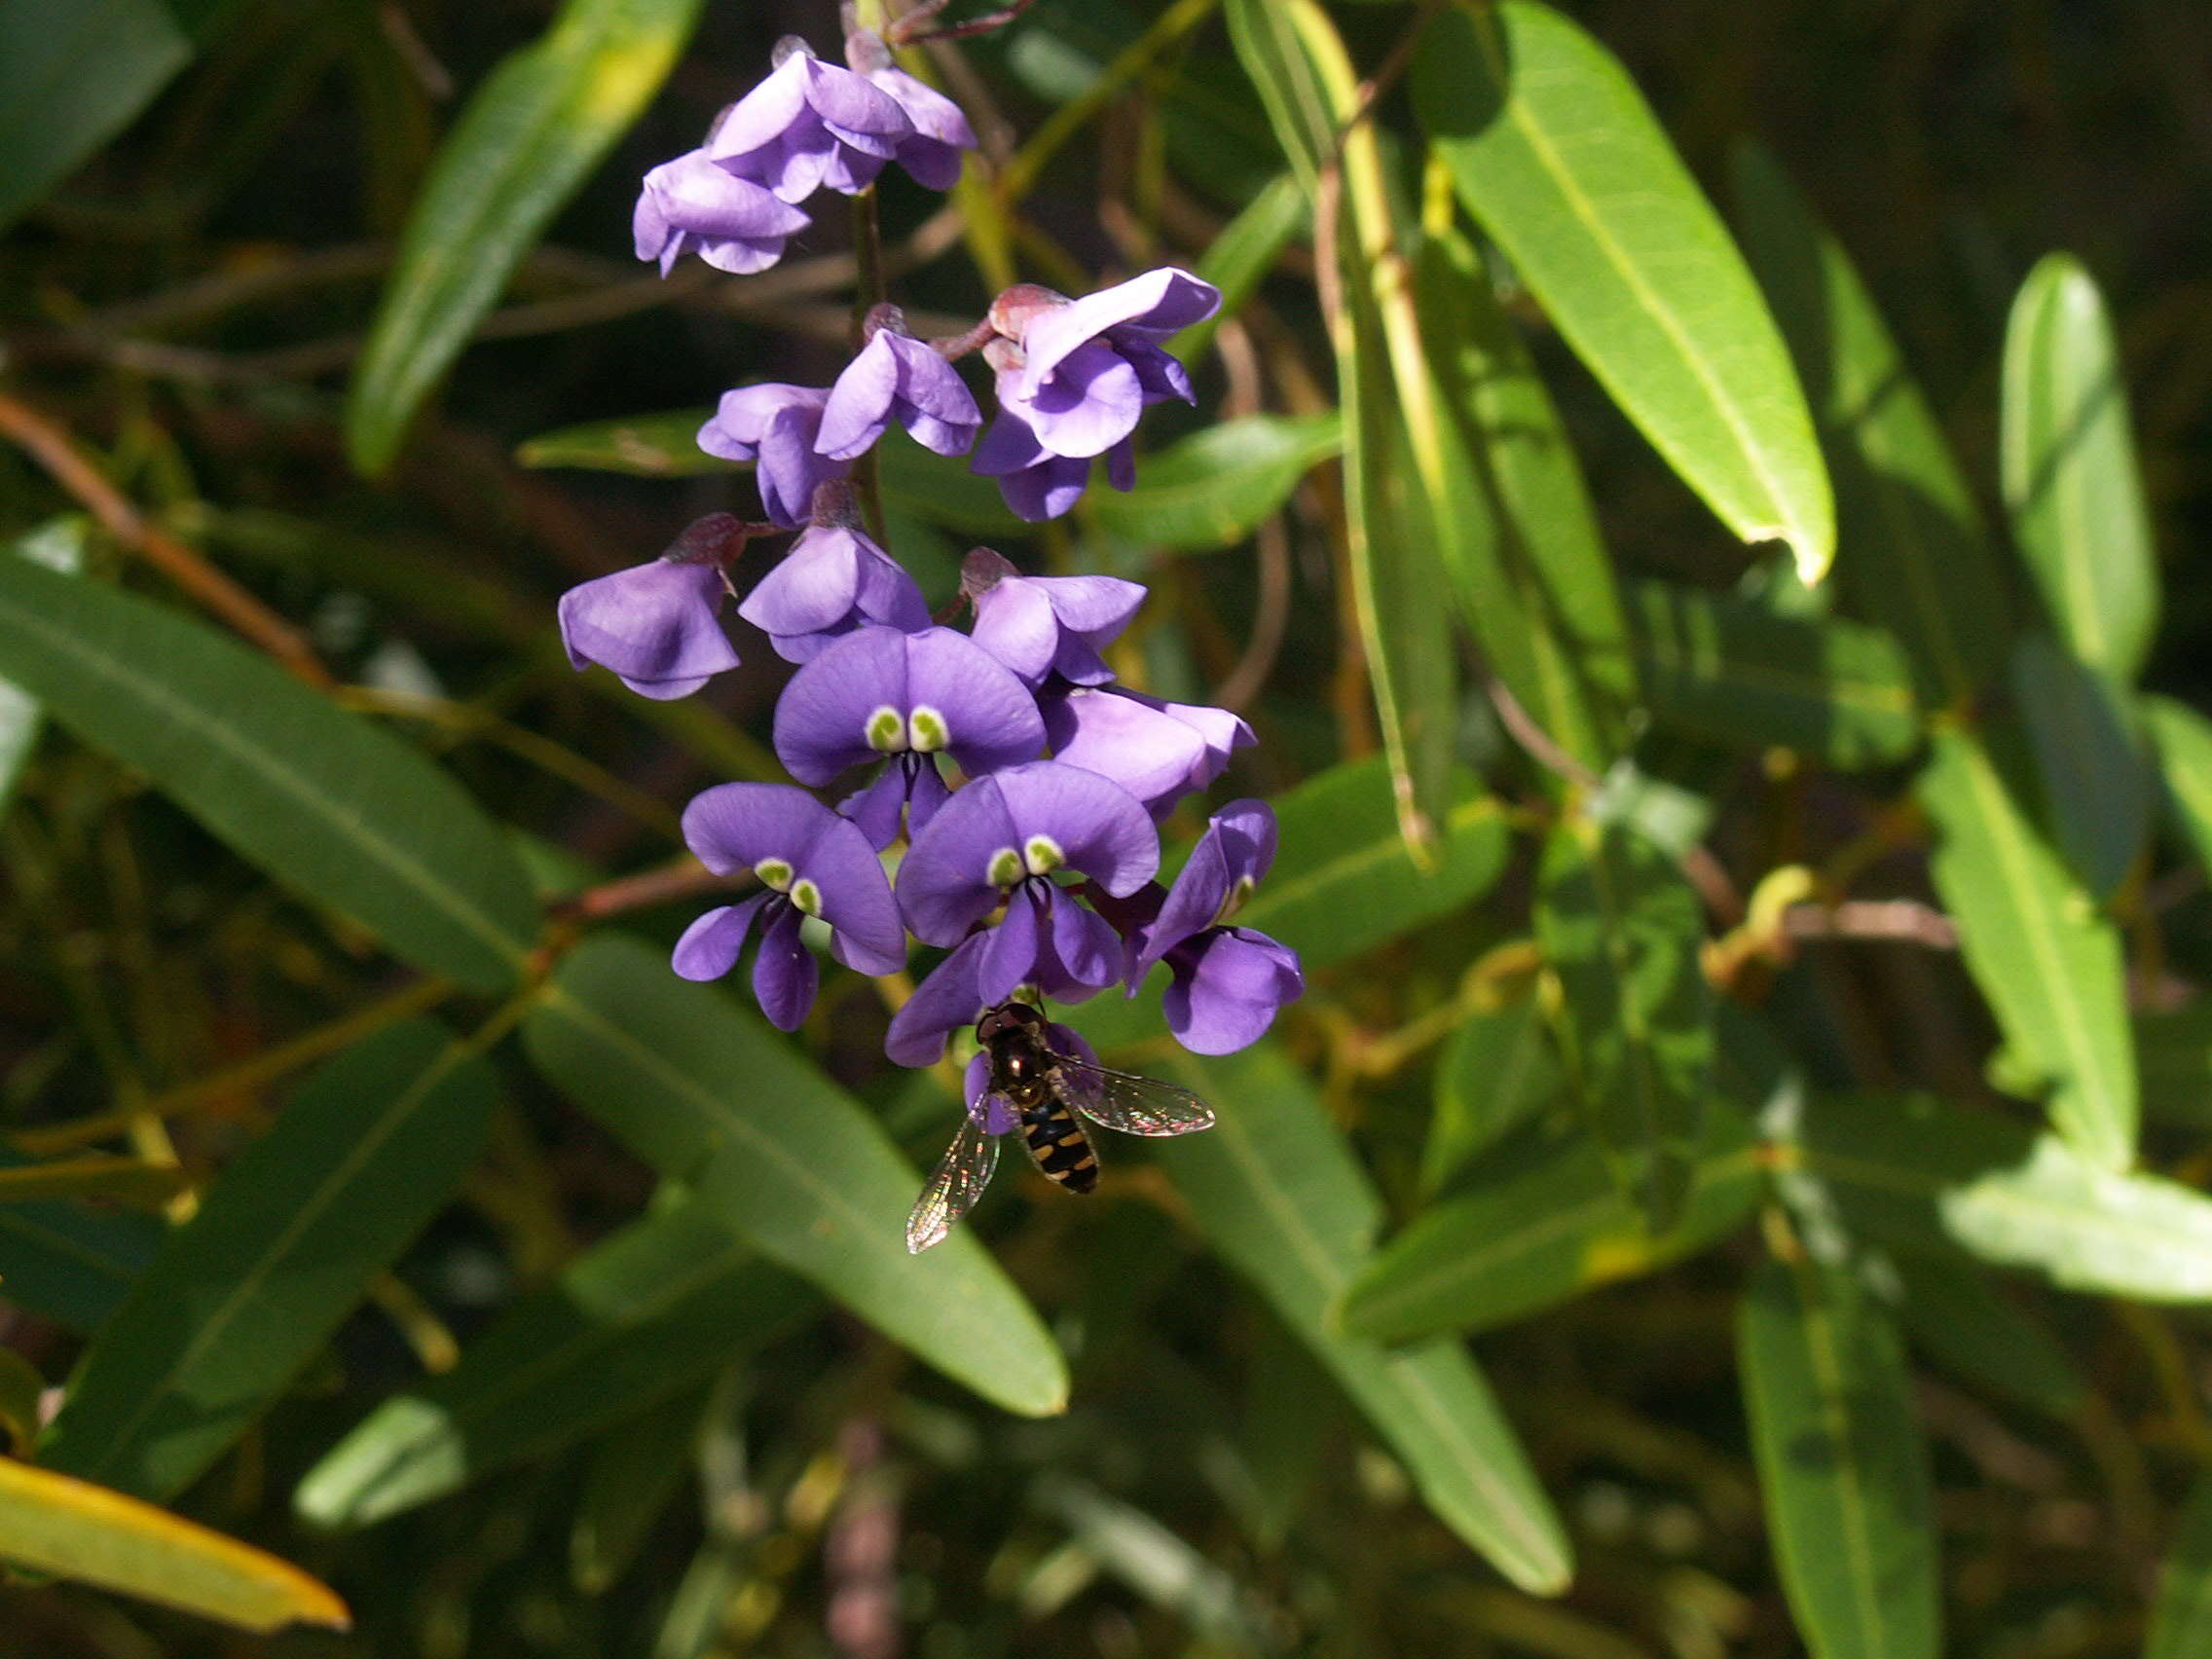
(1238, 849)
(1042, 625)
(833, 581)
(930, 153)
(897, 378)
(812, 862)
(1227, 981)
(775, 426)
(691, 205)
(879, 692)
(657, 625)
(1090, 366)
(1037, 484)
(808, 125)
(1156, 751)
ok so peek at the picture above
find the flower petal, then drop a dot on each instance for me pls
(1011, 956)
(945, 880)
(735, 826)
(943, 1002)
(1148, 752)
(1088, 948)
(1227, 988)
(1156, 303)
(1099, 827)
(711, 945)
(785, 977)
(859, 402)
(1092, 402)
(812, 587)
(657, 625)
(1015, 624)
(1238, 847)
(990, 717)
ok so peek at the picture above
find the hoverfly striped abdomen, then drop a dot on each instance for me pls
(1061, 1150)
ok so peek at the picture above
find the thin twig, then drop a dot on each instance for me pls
(1905, 919)
(680, 878)
(47, 445)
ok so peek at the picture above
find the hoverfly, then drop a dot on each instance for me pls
(1036, 1085)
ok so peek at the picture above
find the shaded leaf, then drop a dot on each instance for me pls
(1842, 1465)
(2048, 964)
(2071, 483)
(1966, 1325)
(528, 136)
(245, 1294)
(780, 1156)
(122, 1180)
(1540, 1221)
(1496, 1070)
(60, 545)
(1277, 1193)
(2181, 1619)
(664, 444)
(67, 1262)
(1921, 563)
(1214, 488)
(73, 73)
(2173, 1055)
(341, 811)
(1621, 928)
(75, 1530)
(633, 1476)
(1555, 151)
(1735, 672)
(646, 1314)
(2097, 792)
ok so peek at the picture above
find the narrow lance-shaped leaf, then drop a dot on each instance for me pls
(1734, 672)
(784, 1158)
(2099, 791)
(334, 807)
(246, 1293)
(1921, 563)
(1211, 491)
(645, 1314)
(60, 545)
(2070, 482)
(1966, 1325)
(1276, 1191)
(1495, 1070)
(72, 74)
(1557, 155)
(1621, 928)
(70, 1263)
(1542, 1219)
(1516, 530)
(528, 136)
(2182, 738)
(632, 1475)
(1842, 1465)
(2181, 1619)
(72, 1529)
(2048, 964)
(1242, 253)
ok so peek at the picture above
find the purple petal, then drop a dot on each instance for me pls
(1090, 404)
(943, 1002)
(1101, 829)
(932, 155)
(1089, 949)
(764, 115)
(1011, 956)
(1148, 752)
(875, 806)
(926, 792)
(985, 715)
(784, 975)
(990, 717)
(789, 467)
(1227, 989)
(945, 880)
(859, 113)
(887, 594)
(711, 945)
(657, 625)
(812, 587)
(860, 403)
(1158, 303)
(1161, 376)
(1014, 622)
(734, 827)
(822, 718)
(694, 196)
(1037, 484)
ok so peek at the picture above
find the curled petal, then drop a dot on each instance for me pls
(942, 1004)
(1148, 308)
(1090, 403)
(1089, 949)
(711, 945)
(656, 625)
(1010, 957)
(932, 155)
(1234, 852)
(1228, 983)
(902, 378)
(832, 582)
(1037, 484)
(784, 975)
(692, 205)
(806, 849)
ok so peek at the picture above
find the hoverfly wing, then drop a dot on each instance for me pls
(953, 1187)
(1124, 1102)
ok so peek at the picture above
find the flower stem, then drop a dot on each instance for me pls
(872, 291)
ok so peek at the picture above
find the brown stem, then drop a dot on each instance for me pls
(683, 878)
(51, 447)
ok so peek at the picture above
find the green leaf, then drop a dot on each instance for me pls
(2071, 483)
(1920, 564)
(1516, 531)
(73, 73)
(1621, 928)
(647, 446)
(68, 1263)
(1242, 254)
(1734, 672)
(1842, 1465)
(60, 545)
(2173, 1055)
(1555, 151)
(1541, 1220)
(2097, 790)
(701, 1089)
(248, 1291)
(1496, 1070)
(2181, 1619)
(1921, 1175)
(1278, 1194)
(2048, 964)
(341, 811)
(1215, 488)
(646, 1314)
(633, 1476)
(1965, 1324)
(528, 136)
(2182, 739)
(98, 1175)
(74, 1530)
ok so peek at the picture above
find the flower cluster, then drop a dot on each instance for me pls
(1014, 786)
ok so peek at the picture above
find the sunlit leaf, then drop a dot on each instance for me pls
(1736, 672)
(1495, 1070)
(2071, 483)
(1276, 1191)
(648, 1312)
(1241, 255)
(75, 1530)
(1920, 560)
(2098, 793)
(284, 1242)
(343, 813)
(1542, 1219)
(528, 137)
(2048, 964)
(1842, 1465)
(60, 545)
(2181, 1619)
(1557, 155)
(1213, 489)
(784, 1158)
(2182, 738)
(1621, 928)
